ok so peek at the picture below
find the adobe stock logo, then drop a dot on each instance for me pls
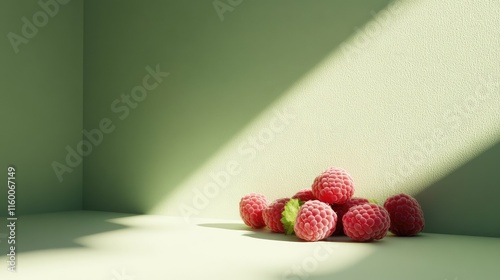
(221, 8)
(453, 120)
(303, 270)
(121, 274)
(248, 150)
(39, 19)
(122, 108)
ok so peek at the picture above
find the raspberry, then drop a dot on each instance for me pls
(366, 222)
(251, 207)
(272, 215)
(407, 217)
(304, 195)
(341, 209)
(334, 185)
(315, 221)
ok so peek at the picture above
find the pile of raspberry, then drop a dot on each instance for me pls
(328, 209)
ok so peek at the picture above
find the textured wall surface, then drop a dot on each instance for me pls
(406, 100)
(41, 80)
(223, 74)
(266, 96)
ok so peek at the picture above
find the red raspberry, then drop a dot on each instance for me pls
(272, 215)
(334, 185)
(407, 217)
(315, 221)
(251, 207)
(304, 195)
(341, 209)
(366, 222)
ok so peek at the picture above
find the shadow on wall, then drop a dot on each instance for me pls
(447, 203)
(223, 74)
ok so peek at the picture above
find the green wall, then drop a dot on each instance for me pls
(222, 75)
(401, 94)
(41, 101)
(169, 93)
(465, 201)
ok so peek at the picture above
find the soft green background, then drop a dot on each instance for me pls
(41, 97)
(364, 100)
(359, 102)
(223, 74)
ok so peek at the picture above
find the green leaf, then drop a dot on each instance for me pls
(372, 200)
(289, 214)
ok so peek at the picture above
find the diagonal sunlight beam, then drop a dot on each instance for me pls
(411, 96)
